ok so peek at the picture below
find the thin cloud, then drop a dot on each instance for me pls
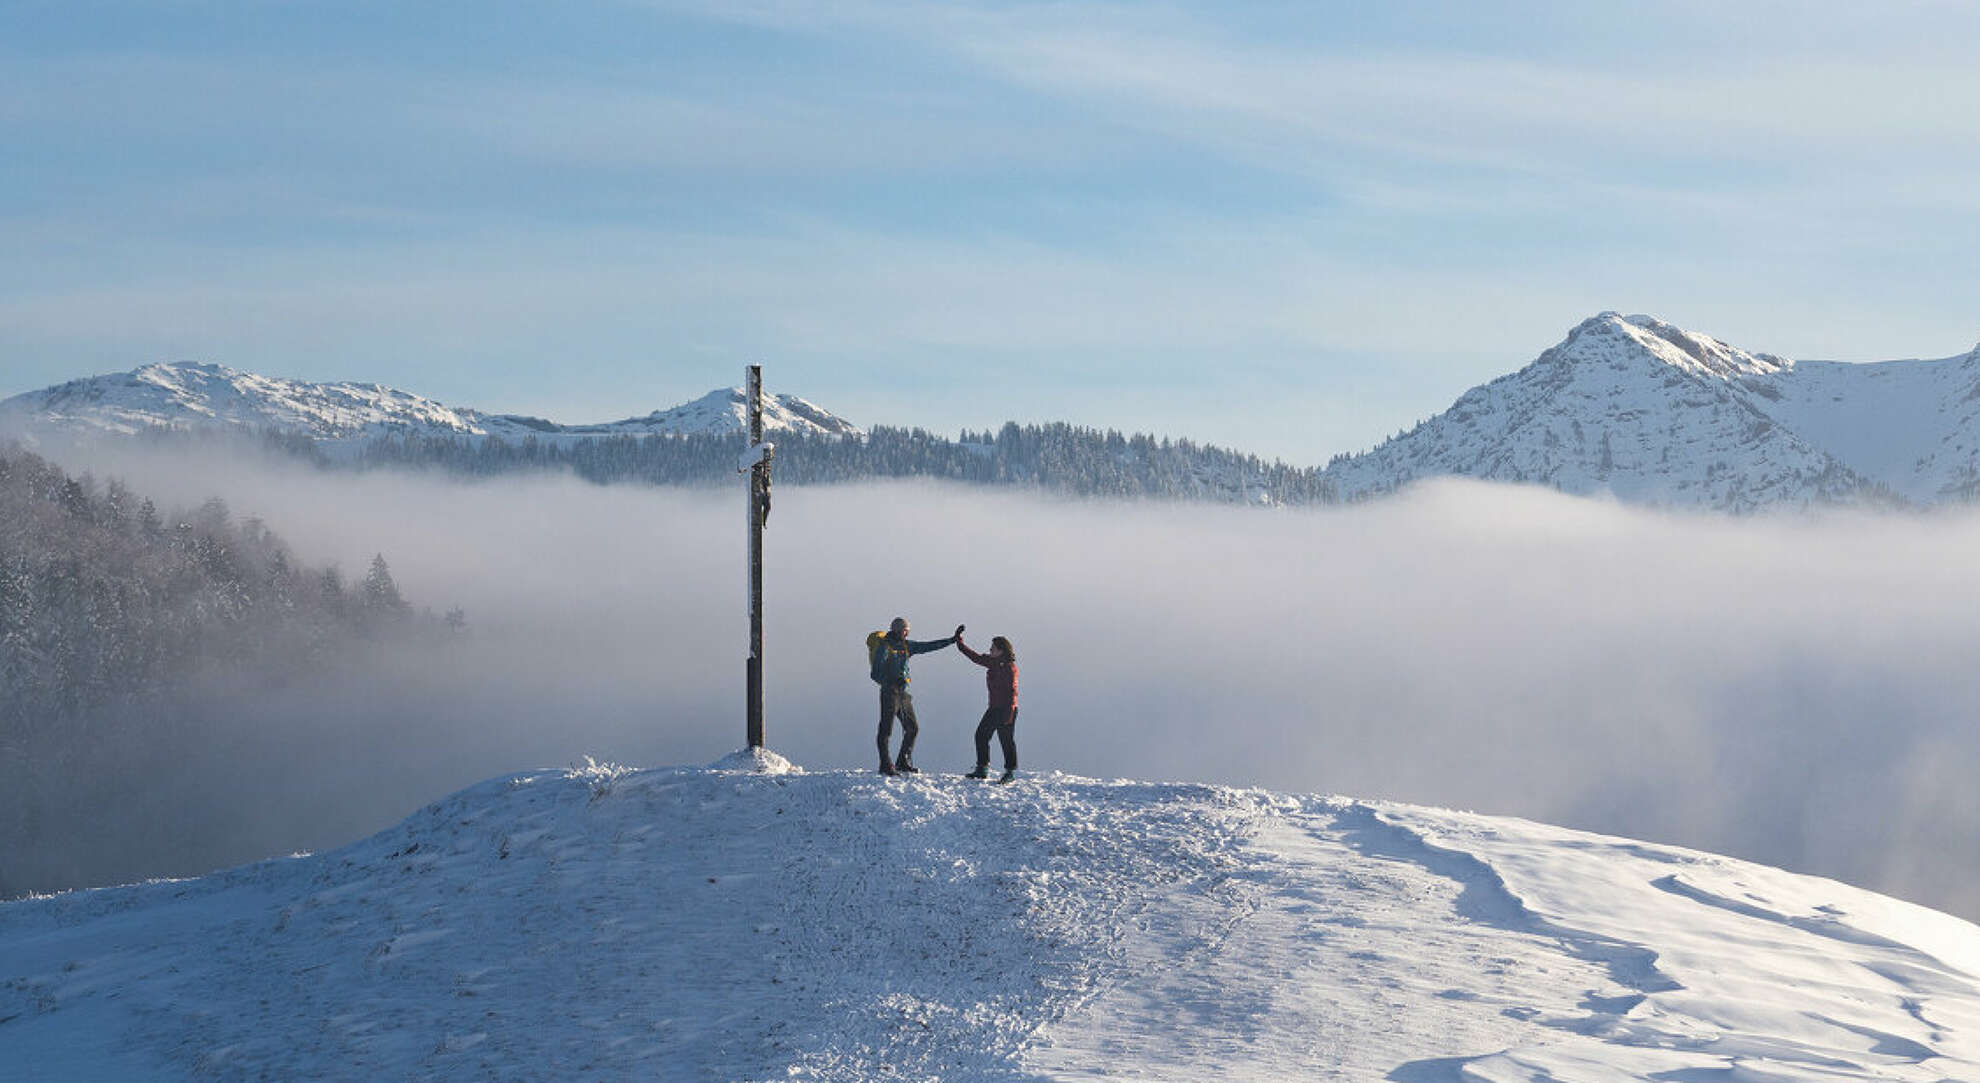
(1691, 95)
(1065, 195)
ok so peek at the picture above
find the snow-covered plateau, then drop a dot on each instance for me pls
(750, 921)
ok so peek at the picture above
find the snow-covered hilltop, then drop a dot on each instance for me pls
(1634, 407)
(727, 410)
(192, 395)
(750, 922)
(189, 394)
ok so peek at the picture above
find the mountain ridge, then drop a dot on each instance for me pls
(1625, 407)
(367, 426)
(1647, 412)
(206, 394)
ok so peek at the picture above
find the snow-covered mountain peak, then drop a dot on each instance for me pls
(174, 374)
(751, 922)
(193, 394)
(727, 410)
(204, 394)
(1610, 336)
(1645, 411)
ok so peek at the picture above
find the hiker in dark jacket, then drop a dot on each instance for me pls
(1001, 718)
(889, 655)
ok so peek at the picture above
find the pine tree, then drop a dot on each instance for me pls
(381, 594)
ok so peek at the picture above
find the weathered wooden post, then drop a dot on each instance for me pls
(756, 462)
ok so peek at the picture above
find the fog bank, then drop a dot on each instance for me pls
(1797, 691)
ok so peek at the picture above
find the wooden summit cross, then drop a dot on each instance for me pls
(755, 462)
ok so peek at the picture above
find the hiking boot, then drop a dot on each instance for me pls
(887, 768)
(1009, 774)
(906, 766)
(982, 771)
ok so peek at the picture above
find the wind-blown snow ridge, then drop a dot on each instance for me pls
(198, 395)
(750, 922)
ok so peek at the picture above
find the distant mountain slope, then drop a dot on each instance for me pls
(727, 411)
(1626, 406)
(367, 426)
(757, 924)
(1648, 412)
(189, 394)
(1913, 426)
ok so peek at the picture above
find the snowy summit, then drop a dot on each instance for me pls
(192, 395)
(753, 922)
(1646, 412)
(189, 394)
(728, 411)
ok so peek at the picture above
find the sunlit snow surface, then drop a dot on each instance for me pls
(1635, 408)
(750, 921)
(207, 396)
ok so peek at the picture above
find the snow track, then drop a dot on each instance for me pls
(733, 924)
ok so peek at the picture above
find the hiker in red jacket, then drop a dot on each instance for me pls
(1001, 718)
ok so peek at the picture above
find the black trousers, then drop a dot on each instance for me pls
(895, 702)
(1001, 721)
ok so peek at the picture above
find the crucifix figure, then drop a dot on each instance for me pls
(755, 462)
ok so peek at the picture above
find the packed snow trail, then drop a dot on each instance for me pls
(752, 922)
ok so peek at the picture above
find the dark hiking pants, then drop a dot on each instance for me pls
(1001, 721)
(895, 701)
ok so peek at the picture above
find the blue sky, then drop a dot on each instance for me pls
(1294, 228)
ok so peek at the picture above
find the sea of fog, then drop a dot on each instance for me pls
(1798, 690)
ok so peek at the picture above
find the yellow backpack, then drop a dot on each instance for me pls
(874, 640)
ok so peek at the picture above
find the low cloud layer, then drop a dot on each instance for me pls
(1795, 691)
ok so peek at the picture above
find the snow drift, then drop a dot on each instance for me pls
(752, 922)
